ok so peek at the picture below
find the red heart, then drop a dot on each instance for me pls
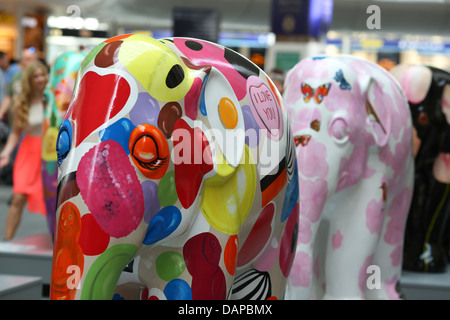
(98, 99)
(258, 237)
(192, 160)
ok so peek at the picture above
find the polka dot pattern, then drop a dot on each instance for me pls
(161, 156)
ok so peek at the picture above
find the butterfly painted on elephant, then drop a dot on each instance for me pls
(319, 93)
(343, 84)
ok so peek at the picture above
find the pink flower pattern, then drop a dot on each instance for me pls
(337, 240)
(365, 135)
(374, 216)
(301, 271)
(314, 194)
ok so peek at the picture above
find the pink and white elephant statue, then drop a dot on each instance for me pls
(353, 131)
(427, 232)
(176, 161)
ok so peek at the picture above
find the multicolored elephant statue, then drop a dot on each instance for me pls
(59, 92)
(176, 160)
(427, 230)
(353, 131)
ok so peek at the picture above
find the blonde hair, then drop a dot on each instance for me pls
(22, 102)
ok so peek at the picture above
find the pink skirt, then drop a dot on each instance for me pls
(27, 174)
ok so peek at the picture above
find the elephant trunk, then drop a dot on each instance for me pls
(87, 262)
(313, 196)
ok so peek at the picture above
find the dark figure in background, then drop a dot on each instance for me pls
(427, 230)
(278, 78)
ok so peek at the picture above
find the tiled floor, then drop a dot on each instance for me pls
(33, 227)
(30, 224)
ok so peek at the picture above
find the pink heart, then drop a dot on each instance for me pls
(265, 109)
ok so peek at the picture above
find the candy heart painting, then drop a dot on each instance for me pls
(177, 176)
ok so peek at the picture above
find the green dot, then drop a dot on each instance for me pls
(104, 273)
(167, 192)
(170, 265)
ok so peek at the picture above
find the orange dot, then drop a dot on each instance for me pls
(228, 113)
(148, 147)
(230, 254)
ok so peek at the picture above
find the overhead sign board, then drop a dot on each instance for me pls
(196, 23)
(301, 17)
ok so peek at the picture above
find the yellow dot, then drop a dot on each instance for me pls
(228, 113)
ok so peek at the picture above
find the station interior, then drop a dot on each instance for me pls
(273, 34)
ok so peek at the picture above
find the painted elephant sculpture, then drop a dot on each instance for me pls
(176, 157)
(353, 131)
(427, 230)
(63, 73)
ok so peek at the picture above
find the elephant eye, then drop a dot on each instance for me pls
(64, 141)
(339, 130)
(149, 151)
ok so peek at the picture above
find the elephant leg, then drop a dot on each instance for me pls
(319, 255)
(129, 286)
(191, 271)
(160, 267)
(388, 256)
(386, 273)
(301, 282)
(388, 262)
(350, 249)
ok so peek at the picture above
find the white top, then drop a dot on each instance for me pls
(35, 119)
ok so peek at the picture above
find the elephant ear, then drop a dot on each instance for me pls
(414, 80)
(224, 113)
(377, 104)
(228, 195)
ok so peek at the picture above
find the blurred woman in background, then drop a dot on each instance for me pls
(28, 117)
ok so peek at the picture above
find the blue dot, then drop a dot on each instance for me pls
(118, 297)
(64, 141)
(120, 132)
(163, 224)
(202, 106)
(291, 196)
(178, 289)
